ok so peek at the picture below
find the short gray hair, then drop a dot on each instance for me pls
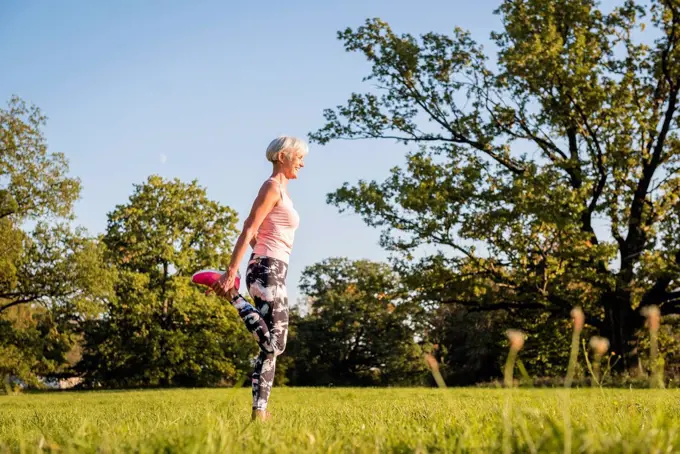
(287, 143)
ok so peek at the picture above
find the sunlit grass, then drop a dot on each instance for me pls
(343, 420)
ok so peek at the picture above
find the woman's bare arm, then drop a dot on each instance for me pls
(264, 202)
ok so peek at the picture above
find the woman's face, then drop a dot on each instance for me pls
(292, 166)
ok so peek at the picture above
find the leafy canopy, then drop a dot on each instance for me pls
(547, 179)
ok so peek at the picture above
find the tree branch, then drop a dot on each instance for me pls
(6, 306)
(599, 159)
(574, 167)
(636, 237)
(549, 148)
(670, 307)
(475, 306)
(456, 136)
(671, 296)
(4, 214)
(658, 293)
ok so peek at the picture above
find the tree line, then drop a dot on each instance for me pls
(118, 309)
(545, 180)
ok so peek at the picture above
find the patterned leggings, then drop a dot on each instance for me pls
(268, 321)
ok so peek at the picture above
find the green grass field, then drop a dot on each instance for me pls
(344, 420)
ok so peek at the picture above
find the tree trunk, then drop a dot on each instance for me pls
(621, 322)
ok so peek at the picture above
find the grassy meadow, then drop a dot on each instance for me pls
(344, 420)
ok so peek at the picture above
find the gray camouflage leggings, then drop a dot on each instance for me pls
(267, 321)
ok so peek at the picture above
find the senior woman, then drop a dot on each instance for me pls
(270, 230)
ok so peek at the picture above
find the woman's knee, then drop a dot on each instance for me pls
(269, 356)
(280, 345)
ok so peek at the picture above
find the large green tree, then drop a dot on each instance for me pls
(159, 329)
(51, 275)
(34, 346)
(547, 178)
(34, 180)
(34, 186)
(360, 329)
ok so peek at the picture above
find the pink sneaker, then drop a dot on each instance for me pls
(208, 278)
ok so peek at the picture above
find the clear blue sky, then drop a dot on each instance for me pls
(197, 91)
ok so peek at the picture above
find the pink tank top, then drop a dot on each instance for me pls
(277, 231)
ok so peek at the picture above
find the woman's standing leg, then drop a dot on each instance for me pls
(268, 321)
